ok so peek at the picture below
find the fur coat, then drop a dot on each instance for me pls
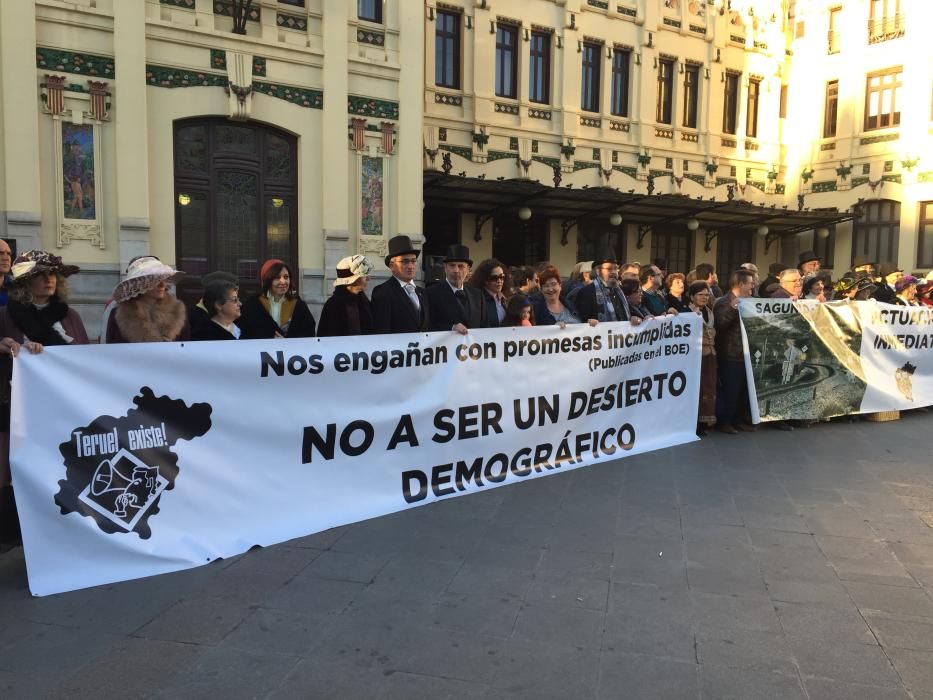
(141, 320)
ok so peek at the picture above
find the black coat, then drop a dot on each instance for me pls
(587, 306)
(345, 313)
(492, 315)
(885, 294)
(446, 311)
(208, 330)
(255, 321)
(393, 311)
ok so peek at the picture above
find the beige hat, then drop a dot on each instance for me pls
(349, 270)
(142, 275)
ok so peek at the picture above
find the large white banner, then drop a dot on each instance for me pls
(811, 361)
(133, 460)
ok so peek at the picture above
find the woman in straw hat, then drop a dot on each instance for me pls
(276, 311)
(146, 311)
(348, 312)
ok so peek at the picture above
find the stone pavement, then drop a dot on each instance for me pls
(780, 565)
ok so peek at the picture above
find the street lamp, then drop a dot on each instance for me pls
(524, 213)
(615, 218)
(693, 224)
(762, 230)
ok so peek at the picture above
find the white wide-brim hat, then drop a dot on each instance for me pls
(349, 270)
(142, 275)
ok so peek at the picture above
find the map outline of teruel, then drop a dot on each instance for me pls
(118, 468)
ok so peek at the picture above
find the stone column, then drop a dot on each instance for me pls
(20, 205)
(335, 161)
(131, 131)
(409, 188)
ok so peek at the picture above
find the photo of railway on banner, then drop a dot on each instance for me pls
(812, 361)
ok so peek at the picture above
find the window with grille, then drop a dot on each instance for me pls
(876, 233)
(691, 95)
(447, 49)
(621, 61)
(539, 76)
(881, 108)
(665, 91)
(589, 89)
(506, 60)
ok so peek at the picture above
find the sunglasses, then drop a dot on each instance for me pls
(495, 278)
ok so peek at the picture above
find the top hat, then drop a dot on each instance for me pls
(776, 268)
(862, 261)
(458, 253)
(888, 268)
(808, 256)
(400, 245)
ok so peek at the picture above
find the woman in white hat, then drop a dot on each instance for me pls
(147, 312)
(347, 312)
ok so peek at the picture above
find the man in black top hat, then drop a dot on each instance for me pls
(602, 299)
(890, 273)
(398, 305)
(451, 305)
(862, 266)
(809, 263)
(768, 283)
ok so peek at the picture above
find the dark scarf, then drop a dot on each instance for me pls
(35, 323)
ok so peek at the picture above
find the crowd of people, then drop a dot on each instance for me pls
(34, 310)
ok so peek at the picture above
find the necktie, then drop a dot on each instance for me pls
(413, 296)
(461, 297)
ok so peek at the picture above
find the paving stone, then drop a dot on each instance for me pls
(650, 599)
(638, 676)
(916, 668)
(828, 594)
(740, 648)
(594, 565)
(654, 634)
(481, 614)
(203, 619)
(132, 668)
(52, 653)
(576, 626)
(231, 672)
(545, 670)
(830, 624)
(725, 683)
(902, 632)
(306, 593)
(569, 591)
(347, 566)
(718, 535)
(844, 661)
(870, 597)
(744, 612)
(279, 631)
(822, 689)
(414, 686)
(268, 561)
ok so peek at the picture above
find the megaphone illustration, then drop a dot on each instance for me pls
(108, 478)
(131, 481)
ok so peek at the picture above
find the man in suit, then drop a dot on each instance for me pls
(602, 300)
(453, 306)
(398, 305)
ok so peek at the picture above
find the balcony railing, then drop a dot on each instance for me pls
(832, 42)
(885, 28)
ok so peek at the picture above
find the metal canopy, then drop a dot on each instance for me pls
(487, 198)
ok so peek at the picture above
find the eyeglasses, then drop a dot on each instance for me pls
(232, 301)
(495, 278)
(407, 261)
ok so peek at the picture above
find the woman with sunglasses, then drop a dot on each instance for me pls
(222, 302)
(489, 276)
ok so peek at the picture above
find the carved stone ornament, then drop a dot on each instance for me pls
(240, 85)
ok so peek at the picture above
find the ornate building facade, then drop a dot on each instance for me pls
(713, 101)
(211, 133)
(218, 133)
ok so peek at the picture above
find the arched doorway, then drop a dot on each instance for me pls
(236, 200)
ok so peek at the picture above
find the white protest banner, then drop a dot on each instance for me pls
(810, 361)
(136, 460)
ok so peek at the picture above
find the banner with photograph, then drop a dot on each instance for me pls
(165, 456)
(807, 360)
